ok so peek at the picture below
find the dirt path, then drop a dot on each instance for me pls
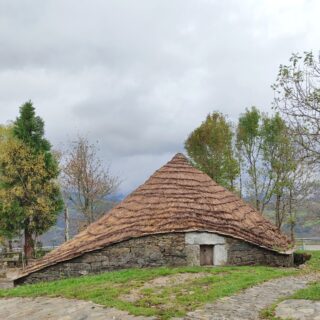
(247, 304)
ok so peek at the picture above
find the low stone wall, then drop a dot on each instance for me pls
(174, 249)
(148, 251)
(244, 253)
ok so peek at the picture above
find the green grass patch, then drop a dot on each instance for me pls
(173, 300)
(314, 263)
(164, 302)
(269, 312)
(310, 293)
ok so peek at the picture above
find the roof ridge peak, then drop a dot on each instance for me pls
(179, 155)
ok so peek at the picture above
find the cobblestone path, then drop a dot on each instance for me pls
(247, 304)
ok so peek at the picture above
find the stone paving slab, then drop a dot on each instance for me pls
(299, 309)
(59, 309)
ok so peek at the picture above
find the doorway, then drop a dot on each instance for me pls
(206, 255)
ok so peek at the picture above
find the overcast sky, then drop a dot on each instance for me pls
(139, 76)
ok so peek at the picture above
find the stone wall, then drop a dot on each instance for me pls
(148, 251)
(174, 249)
(229, 251)
(244, 253)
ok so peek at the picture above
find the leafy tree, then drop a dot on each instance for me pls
(297, 97)
(301, 187)
(270, 159)
(210, 148)
(249, 145)
(7, 228)
(279, 159)
(29, 194)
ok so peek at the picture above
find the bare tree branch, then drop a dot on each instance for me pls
(297, 97)
(85, 180)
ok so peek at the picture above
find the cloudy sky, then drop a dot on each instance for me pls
(139, 75)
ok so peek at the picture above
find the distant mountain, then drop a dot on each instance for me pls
(307, 221)
(117, 197)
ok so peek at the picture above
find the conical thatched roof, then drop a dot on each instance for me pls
(176, 198)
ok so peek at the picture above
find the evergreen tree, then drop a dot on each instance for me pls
(29, 128)
(29, 194)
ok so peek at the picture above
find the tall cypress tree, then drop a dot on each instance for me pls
(30, 193)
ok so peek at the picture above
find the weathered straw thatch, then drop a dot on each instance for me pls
(176, 198)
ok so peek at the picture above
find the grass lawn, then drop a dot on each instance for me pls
(310, 293)
(314, 262)
(173, 299)
(108, 289)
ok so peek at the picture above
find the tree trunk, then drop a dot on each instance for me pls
(10, 245)
(240, 181)
(258, 205)
(255, 183)
(28, 245)
(292, 219)
(292, 225)
(278, 218)
(66, 221)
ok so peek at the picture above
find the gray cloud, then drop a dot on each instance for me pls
(139, 75)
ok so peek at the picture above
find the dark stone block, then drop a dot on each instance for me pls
(300, 258)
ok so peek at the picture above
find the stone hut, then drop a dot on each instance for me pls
(178, 217)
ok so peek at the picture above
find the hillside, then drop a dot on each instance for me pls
(307, 220)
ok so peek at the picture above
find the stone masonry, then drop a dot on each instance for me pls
(244, 253)
(149, 251)
(171, 249)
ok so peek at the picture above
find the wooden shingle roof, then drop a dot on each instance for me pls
(176, 198)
